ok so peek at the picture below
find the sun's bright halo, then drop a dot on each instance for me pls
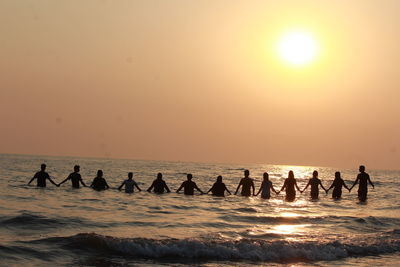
(297, 48)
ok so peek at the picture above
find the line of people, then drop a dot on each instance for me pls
(159, 186)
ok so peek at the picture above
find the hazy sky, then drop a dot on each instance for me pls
(201, 81)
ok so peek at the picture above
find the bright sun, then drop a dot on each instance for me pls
(297, 48)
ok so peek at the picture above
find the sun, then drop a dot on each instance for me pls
(297, 48)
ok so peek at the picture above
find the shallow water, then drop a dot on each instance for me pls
(68, 227)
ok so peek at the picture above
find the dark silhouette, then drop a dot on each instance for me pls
(159, 185)
(315, 182)
(189, 186)
(246, 183)
(289, 185)
(99, 183)
(41, 177)
(266, 187)
(129, 184)
(363, 180)
(337, 185)
(218, 189)
(75, 178)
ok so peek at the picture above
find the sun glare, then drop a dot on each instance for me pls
(297, 48)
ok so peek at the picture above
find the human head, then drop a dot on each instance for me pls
(77, 168)
(246, 173)
(130, 175)
(43, 167)
(362, 168)
(291, 174)
(189, 176)
(99, 173)
(265, 176)
(315, 174)
(159, 175)
(337, 175)
(219, 179)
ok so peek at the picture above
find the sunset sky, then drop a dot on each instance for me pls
(201, 81)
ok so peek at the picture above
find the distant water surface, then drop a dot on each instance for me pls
(80, 227)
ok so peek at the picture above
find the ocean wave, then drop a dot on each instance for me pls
(222, 249)
(29, 220)
(370, 220)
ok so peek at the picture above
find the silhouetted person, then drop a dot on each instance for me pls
(289, 185)
(189, 186)
(266, 187)
(218, 189)
(315, 182)
(247, 184)
(75, 178)
(129, 184)
(159, 185)
(363, 180)
(337, 185)
(41, 177)
(99, 183)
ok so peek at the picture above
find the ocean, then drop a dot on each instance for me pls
(61, 226)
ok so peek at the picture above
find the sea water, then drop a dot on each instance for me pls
(61, 226)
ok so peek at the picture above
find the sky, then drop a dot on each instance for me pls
(201, 81)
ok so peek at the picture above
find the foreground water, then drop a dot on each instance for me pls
(68, 227)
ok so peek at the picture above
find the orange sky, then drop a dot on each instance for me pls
(200, 81)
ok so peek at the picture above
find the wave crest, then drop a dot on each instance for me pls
(220, 249)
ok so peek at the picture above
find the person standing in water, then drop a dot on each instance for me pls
(246, 183)
(266, 187)
(218, 189)
(41, 177)
(99, 183)
(315, 182)
(189, 186)
(75, 178)
(159, 185)
(289, 185)
(337, 185)
(363, 180)
(129, 184)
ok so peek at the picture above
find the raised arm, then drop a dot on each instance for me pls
(228, 190)
(273, 189)
(197, 188)
(166, 187)
(322, 186)
(237, 189)
(107, 186)
(355, 182)
(136, 185)
(345, 186)
(370, 182)
(82, 182)
(66, 179)
(283, 186)
(120, 187)
(332, 186)
(210, 189)
(259, 189)
(150, 188)
(295, 184)
(51, 181)
(179, 189)
(33, 178)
